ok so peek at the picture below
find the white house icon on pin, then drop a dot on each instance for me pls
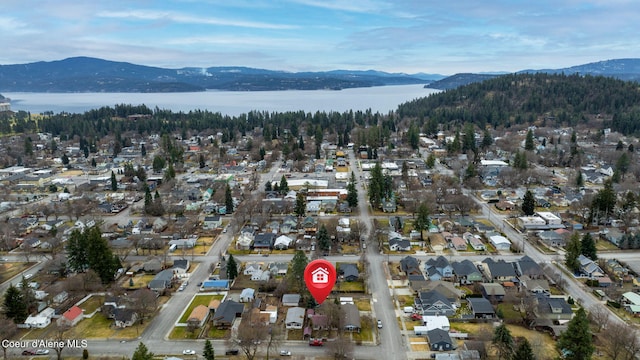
(320, 276)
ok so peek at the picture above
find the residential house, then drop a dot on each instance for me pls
(436, 322)
(499, 270)
(492, 291)
(226, 313)
(153, 266)
(41, 320)
(399, 244)
(294, 318)
(535, 286)
(198, 316)
(552, 309)
(389, 204)
(526, 266)
(631, 303)
(264, 241)
(433, 303)
(245, 239)
(290, 299)
(212, 222)
(465, 272)
(458, 243)
(349, 272)
(261, 275)
(310, 225)
(289, 225)
(188, 243)
(437, 242)
(438, 268)
(500, 242)
(589, 267)
(439, 340)
(273, 227)
(278, 268)
(410, 265)
(181, 266)
(247, 295)
(475, 241)
(351, 318)
(251, 267)
(481, 308)
(553, 238)
(124, 317)
(282, 242)
(162, 281)
(417, 282)
(319, 322)
(71, 317)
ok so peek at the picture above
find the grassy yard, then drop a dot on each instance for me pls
(406, 300)
(363, 304)
(139, 281)
(198, 300)
(509, 313)
(92, 304)
(349, 286)
(100, 327)
(219, 334)
(11, 269)
(181, 333)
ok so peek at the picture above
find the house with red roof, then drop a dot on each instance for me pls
(71, 317)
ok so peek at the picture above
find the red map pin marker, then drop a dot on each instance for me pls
(320, 276)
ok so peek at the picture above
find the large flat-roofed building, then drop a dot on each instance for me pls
(550, 218)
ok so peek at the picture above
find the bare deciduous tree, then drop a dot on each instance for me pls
(249, 336)
(599, 317)
(621, 342)
(7, 330)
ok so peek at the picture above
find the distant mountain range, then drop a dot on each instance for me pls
(623, 69)
(84, 74)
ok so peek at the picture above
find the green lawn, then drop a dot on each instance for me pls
(181, 333)
(92, 304)
(198, 300)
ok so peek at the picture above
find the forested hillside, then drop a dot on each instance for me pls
(525, 98)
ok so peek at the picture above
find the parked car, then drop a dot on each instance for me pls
(285, 353)
(379, 324)
(42, 351)
(188, 352)
(315, 342)
(232, 352)
(28, 352)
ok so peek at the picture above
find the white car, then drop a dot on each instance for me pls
(285, 353)
(188, 352)
(42, 351)
(379, 324)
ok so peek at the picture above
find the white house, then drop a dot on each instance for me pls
(436, 322)
(295, 318)
(42, 320)
(251, 267)
(500, 242)
(247, 295)
(282, 242)
(261, 275)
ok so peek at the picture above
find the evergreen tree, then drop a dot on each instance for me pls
(208, 353)
(228, 199)
(114, 182)
(422, 222)
(503, 341)
(622, 165)
(324, 242)
(15, 307)
(142, 353)
(232, 268)
(352, 192)
(576, 341)
(268, 186)
(143, 150)
(65, 159)
(89, 250)
(284, 186)
(301, 143)
(431, 160)
(572, 252)
(528, 203)
(170, 173)
(579, 179)
(469, 138)
(528, 142)
(487, 139)
(604, 202)
(588, 247)
(296, 273)
(523, 351)
(93, 162)
(301, 206)
(405, 172)
(28, 146)
(148, 199)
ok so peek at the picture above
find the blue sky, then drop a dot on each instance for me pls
(442, 36)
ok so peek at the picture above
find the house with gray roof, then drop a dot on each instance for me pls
(433, 303)
(552, 309)
(351, 318)
(226, 313)
(526, 266)
(481, 308)
(349, 272)
(439, 340)
(589, 267)
(399, 244)
(410, 265)
(465, 272)
(162, 281)
(499, 270)
(492, 291)
(290, 299)
(438, 268)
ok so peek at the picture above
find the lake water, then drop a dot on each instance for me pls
(379, 99)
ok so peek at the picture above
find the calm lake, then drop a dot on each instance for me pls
(379, 99)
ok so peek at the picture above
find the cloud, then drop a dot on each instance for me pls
(151, 15)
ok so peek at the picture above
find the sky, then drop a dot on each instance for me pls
(410, 36)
